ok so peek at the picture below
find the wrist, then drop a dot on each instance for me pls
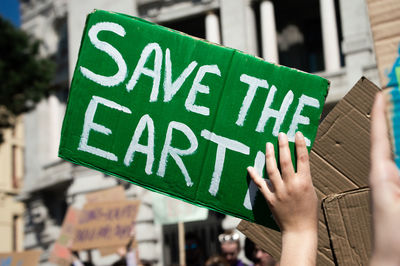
(307, 230)
(299, 248)
(310, 235)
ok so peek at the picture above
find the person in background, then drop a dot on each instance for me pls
(193, 250)
(216, 261)
(257, 255)
(230, 247)
(385, 190)
(293, 201)
(262, 258)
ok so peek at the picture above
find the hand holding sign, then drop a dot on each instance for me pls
(293, 201)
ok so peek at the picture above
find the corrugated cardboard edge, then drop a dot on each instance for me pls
(348, 218)
(339, 162)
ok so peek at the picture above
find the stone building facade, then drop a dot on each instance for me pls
(330, 38)
(11, 211)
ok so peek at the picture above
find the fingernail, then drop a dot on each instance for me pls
(249, 169)
(299, 135)
(269, 147)
(281, 136)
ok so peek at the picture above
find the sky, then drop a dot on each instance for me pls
(9, 9)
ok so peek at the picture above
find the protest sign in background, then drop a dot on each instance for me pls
(110, 194)
(107, 195)
(24, 258)
(105, 224)
(182, 116)
(61, 253)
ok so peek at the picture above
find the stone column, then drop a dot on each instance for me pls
(251, 32)
(212, 27)
(238, 25)
(329, 35)
(268, 32)
(357, 41)
(54, 120)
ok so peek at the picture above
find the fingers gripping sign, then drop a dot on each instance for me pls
(290, 195)
(292, 199)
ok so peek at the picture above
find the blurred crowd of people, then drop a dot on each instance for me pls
(229, 244)
(230, 247)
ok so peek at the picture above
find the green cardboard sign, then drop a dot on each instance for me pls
(182, 116)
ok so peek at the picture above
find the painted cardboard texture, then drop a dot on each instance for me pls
(339, 162)
(348, 218)
(24, 258)
(384, 18)
(195, 99)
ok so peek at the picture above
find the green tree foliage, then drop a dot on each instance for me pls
(24, 76)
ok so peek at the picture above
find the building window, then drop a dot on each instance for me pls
(15, 233)
(194, 26)
(298, 26)
(340, 31)
(14, 166)
(55, 201)
(299, 34)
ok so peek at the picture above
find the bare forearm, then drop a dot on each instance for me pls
(299, 248)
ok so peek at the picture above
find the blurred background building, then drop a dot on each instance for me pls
(11, 211)
(330, 38)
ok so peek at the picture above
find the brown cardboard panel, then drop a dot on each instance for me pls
(387, 30)
(348, 216)
(346, 147)
(324, 176)
(385, 25)
(382, 11)
(388, 51)
(24, 258)
(116, 193)
(324, 253)
(339, 162)
(361, 96)
(108, 250)
(387, 47)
